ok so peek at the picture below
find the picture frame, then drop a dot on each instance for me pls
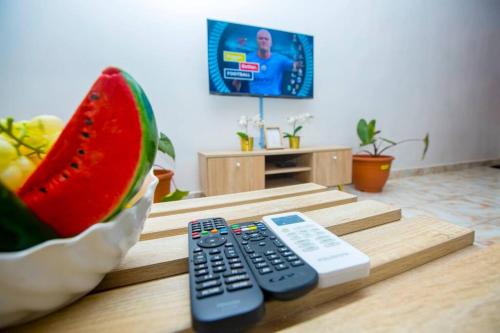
(273, 137)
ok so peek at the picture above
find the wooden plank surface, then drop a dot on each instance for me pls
(172, 225)
(163, 305)
(226, 200)
(163, 257)
(458, 293)
(266, 152)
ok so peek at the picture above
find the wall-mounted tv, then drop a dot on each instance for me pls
(256, 61)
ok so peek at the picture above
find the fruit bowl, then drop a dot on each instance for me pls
(53, 274)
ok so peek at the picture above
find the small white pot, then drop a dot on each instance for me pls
(50, 275)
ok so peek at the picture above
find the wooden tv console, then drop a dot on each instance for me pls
(226, 172)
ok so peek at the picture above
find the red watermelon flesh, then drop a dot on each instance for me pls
(100, 159)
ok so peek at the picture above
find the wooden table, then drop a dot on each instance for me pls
(425, 274)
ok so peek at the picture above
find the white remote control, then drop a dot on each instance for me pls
(335, 260)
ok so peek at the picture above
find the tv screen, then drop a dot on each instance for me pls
(256, 61)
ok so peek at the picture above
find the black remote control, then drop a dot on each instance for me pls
(224, 294)
(278, 270)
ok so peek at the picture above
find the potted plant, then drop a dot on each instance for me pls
(246, 140)
(371, 170)
(296, 121)
(165, 176)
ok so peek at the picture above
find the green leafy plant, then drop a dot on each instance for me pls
(368, 134)
(295, 122)
(166, 146)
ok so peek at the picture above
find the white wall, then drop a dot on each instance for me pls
(416, 66)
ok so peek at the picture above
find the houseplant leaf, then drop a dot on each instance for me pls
(371, 130)
(426, 145)
(297, 130)
(363, 133)
(242, 135)
(165, 146)
(175, 196)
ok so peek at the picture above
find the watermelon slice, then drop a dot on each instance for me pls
(100, 159)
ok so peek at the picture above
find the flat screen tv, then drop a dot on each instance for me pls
(256, 61)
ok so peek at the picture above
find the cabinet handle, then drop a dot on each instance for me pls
(334, 157)
(238, 164)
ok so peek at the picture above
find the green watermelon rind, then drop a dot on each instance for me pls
(149, 142)
(19, 226)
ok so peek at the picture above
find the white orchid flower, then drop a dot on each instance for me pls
(243, 121)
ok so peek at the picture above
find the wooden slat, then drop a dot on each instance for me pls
(159, 258)
(458, 293)
(226, 200)
(172, 225)
(163, 305)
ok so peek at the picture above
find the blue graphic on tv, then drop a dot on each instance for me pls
(255, 61)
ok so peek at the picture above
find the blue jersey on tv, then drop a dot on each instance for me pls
(268, 80)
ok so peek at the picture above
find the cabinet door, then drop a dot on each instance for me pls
(332, 167)
(235, 174)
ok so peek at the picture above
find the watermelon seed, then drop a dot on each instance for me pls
(94, 96)
(88, 121)
(43, 190)
(65, 176)
(74, 165)
(81, 151)
(86, 135)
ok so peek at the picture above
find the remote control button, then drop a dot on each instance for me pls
(265, 270)
(217, 263)
(223, 232)
(245, 237)
(230, 254)
(229, 244)
(207, 278)
(201, 272)
(201, 260)
(276, 261)
(216, 258)
(219, 269)
(248, 249)
(261, 264)
(235, 226)
(200, 266)
(278, 243)
(281, 267)
(233, 272)
(197, 250)
(208, 284)
(214, 251)
(239, 285)
(195, 235)
(283, 249)
(214, 231)
(204, 233)
(292, 258)
(244, 242)
(257, 260)
(236, 265)
(254, 255)
(273, 256)
(272, 237)
(287, 253)
(262, 244)
(236, 278)
(296, 263)
(234, 260)
(269, 252)
(210, 292)
(212, 241)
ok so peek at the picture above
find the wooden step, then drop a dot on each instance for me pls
(163, 257)
(226, 200)
(164, 226)
(163, 305)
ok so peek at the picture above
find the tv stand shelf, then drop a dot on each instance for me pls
(225, 172)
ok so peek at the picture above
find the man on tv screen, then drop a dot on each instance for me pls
(271, 67)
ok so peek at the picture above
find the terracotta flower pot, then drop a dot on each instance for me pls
(163, 187)
(369, 173)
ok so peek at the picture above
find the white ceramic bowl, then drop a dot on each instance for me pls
(49, 276)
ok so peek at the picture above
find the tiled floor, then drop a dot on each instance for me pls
(470, 198)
